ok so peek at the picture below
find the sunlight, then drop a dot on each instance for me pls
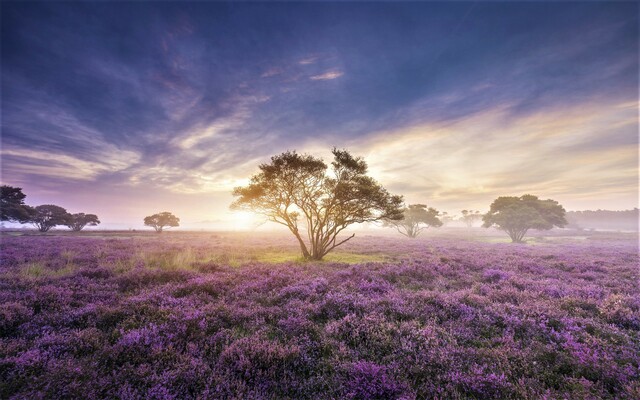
(244, 220)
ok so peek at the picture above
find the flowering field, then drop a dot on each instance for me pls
(203, 315)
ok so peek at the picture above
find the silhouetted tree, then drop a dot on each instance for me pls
(417, 217)
(47, 216)
(295, 190)
(80, 220)
(161, 220)
(516, 215)
(469, 217)
(12, 207)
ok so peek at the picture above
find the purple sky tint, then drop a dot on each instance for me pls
(125, 109)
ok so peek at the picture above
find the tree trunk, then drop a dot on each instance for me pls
(303, 247)
(516, 236)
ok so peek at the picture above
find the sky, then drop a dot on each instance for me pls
(128, 109)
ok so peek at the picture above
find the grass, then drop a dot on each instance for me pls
(342, 257)
(187, 258)
(39, 270)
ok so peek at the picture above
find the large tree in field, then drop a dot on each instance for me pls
(47, 216)
(298, 191)
(162, 220)
(516, 215)
(469, 217)
(417, 217)
(12, 207)
(80, 220)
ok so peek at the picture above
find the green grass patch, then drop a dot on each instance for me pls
(342, 257)
(39, 270)
(173, 260)
(491, 239)
(188, 258)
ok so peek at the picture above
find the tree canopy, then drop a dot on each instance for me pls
(162, 220)
(446, 218)
(12, 207)
(469, 217)
(417, 217)
(516, 215)
(296, 191)
(78, 221)
(47, 216)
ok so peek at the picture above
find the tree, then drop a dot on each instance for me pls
(445, 218)
(12, 207)
(516, 215)
(295, 190)
(80, 220)
(417, 217)
(47, 216)
(161, 220)
(469, 217)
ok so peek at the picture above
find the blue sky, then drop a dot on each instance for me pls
(125, 109)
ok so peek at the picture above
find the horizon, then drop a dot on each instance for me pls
(124, 110)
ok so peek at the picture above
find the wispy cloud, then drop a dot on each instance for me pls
(327, 76)
(556, 153)
(308, 60)
(271, 72)
(44, 164)
(182, 105)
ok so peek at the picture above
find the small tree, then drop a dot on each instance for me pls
(47, 216)
(295, 191)
(161, 220)
(12, 207)
(80, 220)
(516, 215)
(469, 217)
(445, 218)
(417, 217)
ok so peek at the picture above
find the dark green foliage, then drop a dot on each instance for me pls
(12, 207)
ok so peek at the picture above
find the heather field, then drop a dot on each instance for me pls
(238, 316)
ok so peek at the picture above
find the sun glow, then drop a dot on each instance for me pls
(244, 220)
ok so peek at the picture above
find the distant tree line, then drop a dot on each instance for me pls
(626, 220)
(47, 216)
(316, 204)
(43, 217)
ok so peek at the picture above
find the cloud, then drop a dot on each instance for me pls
(43, 140)
(38, 163)
(210, 155)
(308, 60)
(271, 72)
(187, 103)
(329, 75)
(559, 153)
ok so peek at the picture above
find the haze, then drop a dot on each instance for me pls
(127, 109)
